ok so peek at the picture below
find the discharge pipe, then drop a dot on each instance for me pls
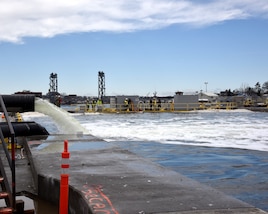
(23, 129)
(18, 103)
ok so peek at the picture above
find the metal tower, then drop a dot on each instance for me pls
(53, 85)
(101, 85)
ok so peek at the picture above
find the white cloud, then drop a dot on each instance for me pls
(39, 18)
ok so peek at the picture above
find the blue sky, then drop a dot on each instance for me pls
(141, 46)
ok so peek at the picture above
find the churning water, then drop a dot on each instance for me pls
(229, 129)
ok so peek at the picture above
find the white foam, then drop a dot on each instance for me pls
(233, 129)
(224, 110)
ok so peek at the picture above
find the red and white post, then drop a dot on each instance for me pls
(64, 181)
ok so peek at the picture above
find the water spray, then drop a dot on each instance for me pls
(67, 124)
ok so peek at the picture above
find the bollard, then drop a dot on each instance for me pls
(64, 181)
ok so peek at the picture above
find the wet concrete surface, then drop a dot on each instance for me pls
(107, 178)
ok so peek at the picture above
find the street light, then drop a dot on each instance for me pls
(206, 83)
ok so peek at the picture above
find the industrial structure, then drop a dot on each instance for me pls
(135, 103)
(53, 94)
(101, 85)
(53, 85)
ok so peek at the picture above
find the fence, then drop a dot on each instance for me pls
(155, 107)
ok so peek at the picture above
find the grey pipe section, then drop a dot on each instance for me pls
(18, 103)
(23, 129)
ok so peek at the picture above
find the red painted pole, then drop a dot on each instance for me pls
(64, 181)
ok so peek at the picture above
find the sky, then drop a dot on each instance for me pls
(142, 46)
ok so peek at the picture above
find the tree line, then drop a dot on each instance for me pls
(257, 90)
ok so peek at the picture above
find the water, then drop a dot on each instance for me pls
(65, 123)
(223, 149)
(228, 129)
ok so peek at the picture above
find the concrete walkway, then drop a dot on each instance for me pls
(107, 179)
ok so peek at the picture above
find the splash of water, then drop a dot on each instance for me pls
(67, 124)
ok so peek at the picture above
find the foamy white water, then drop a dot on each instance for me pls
(229, 129)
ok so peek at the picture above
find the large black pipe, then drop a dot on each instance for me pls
(18, 103)
(23, 129)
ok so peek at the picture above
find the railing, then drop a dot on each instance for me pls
(11, 161)
(155, 107)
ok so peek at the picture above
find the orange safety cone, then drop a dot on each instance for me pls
(64, 182)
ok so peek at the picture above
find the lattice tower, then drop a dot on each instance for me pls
(53, 85)
(101, 83)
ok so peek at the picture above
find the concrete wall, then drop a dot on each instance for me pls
(49, 190)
